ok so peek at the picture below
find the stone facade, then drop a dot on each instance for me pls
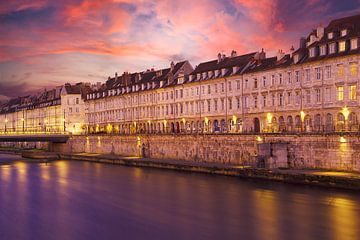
(335, 152)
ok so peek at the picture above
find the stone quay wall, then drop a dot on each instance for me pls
(333, 152)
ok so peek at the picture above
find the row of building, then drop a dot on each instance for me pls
(314, 88)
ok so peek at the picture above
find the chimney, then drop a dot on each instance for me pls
(280, 55)
(233, 53)
(260, 55)
(172, 65)
(219, 57)
(116, 76)
(320, 32)
(302, 42)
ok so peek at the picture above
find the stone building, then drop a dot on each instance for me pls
(61, 109)
(313, 88)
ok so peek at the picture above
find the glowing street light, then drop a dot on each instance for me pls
(345, 111)
(269, 117)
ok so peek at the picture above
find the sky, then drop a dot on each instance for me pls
(45, 43)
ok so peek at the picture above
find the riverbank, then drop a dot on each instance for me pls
(323, 178)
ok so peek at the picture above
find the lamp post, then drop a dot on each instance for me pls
(6, 121)
(23, 124)
(64, 122)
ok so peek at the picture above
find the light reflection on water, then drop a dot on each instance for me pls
(81, 200)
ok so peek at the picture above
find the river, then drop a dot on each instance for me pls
(82, 200)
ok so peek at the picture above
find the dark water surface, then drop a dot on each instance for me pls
(80, 200)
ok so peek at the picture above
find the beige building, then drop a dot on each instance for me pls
(314, 88)
(58, 110)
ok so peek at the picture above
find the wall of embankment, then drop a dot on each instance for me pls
(335, 151)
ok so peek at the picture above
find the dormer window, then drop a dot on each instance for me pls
(296, 58)
(235, 69)
(332, 48)
(343, 32)
(342, 46)
(322, 50)
(210, 74)
(204, 75)
(354, 43)
(191, 77)
(312, 52)
(198, 76)
(216, 73)
(223, 71)
(330, 35)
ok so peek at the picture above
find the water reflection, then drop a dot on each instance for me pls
(76, 200)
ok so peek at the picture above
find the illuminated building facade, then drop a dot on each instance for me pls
(312, 89)
(59, 110)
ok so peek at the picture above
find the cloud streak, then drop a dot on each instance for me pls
(82, 38)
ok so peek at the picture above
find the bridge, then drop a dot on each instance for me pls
(36, 137)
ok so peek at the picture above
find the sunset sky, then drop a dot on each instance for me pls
(47, 43)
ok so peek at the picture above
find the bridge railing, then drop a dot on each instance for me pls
(21, 133)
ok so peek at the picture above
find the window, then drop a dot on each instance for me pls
(328, 72)
(332, 48)
(343, 32)
(272, 79)
(308, 96)
(323, 50)
(342, 46)
(312, 52)
(255, 102)
(289, 78)
(229, 84)
(255, 83)
(317, 95)
(318, 73)
(77, 100)
(230, 103)
(353, 69)
(264, 81)
(209, 89)
(330, 35)
(215, 104)
(246, 83)
(307, 75)
(297, 76)
(297, 97)
(354, 43)
(340, 70)
(208, 105)
(222, 87)
(289, 98)
(327, 94)
(238, 84)
(222, 104)
(280, 78)
(216, 88)
(340, 93)
(238, 103)
(264, 100)
(352, 93)
(273, 99)
(245, 102)
(280, 99)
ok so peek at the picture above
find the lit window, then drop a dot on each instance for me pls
(332, 48)
(354, 43)
(343, 32)
(340, 70)
(352, 94)
(340, 93)
(353, 69)
(323, 50)
(341, 46)
(330, 35)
